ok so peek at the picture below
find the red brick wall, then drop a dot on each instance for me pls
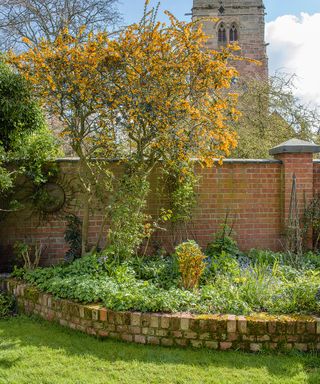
(300, 165)
(316, 177)
(249, 192)
(254, 193)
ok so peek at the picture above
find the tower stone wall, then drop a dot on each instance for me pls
(248, 17)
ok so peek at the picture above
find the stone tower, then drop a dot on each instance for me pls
(237, 20)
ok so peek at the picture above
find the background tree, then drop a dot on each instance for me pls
(34, 19)
(25, 141)
(271, 114)
(19, 112)
(153, 97)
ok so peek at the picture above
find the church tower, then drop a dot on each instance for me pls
(241, 21)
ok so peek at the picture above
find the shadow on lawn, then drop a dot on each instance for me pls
(8, 363)
(23, 331)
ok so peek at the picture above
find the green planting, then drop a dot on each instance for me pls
(7, 304)
(231, 283)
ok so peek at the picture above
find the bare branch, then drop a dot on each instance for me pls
(37, 19)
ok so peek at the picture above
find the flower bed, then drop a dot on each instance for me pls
(240, 285)
(210, 331)
(181, 299)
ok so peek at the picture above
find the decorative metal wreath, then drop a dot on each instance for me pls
(56, 198)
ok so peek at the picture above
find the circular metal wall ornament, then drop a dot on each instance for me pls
(52, 198)
(55, 198)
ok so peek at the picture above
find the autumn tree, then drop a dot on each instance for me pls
(172, 104)
(271, 114)
(35, 20)
(152, 97)
(69, 77)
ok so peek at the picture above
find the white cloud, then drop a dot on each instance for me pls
(294, 48)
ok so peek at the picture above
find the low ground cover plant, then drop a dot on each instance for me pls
(7, 304)
(229, 282)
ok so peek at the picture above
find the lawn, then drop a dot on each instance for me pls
(34, 351)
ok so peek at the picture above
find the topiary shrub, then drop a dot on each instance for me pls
(191, 263)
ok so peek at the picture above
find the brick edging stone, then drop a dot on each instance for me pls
(220, 332)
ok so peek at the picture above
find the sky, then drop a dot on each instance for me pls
(292, 31)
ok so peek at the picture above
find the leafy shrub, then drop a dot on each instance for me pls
(179, 185)
(311, 218)
(129, 222)
(264, 256)
(37, 151)
(18, 273)
(7, 304)
(161, 271)
(72, 236)
(24, 138)
(223, 263)
(191, 263)
(299, 294)
(312, 260)
(222, 253)
(29, 254)
(222, 297)
(222, 242)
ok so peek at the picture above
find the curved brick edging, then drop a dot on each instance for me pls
(212, 331)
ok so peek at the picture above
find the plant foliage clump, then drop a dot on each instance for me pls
(128, 218)
(191, 263)
(26, 144)
(7, 304)
(72, 236)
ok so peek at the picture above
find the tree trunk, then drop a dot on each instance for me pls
(85, 223)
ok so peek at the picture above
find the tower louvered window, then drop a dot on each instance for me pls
(233, 34)
(222, 34)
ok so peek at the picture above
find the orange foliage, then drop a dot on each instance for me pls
(153, 93)
(191, 263)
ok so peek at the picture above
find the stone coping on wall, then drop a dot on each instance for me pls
(295, 146)
(225, 161)
(220, 332)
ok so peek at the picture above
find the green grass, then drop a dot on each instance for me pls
(34, 351)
